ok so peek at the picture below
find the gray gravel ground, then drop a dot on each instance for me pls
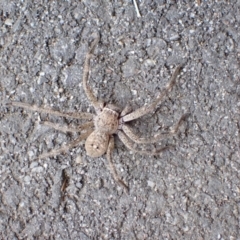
(190, 192)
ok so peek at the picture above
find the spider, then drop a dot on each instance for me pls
(109, 120)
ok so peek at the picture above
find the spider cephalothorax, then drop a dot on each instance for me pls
(109, 120)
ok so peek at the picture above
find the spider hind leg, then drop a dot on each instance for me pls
(130, 145)
(112, 167)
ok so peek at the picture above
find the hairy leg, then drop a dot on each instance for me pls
(66, 129)
(137, 139)
(87, 89)
(65, 147)
(126, 110)
(130, 145)
(50, 111)
(112, 167)
(151, 107)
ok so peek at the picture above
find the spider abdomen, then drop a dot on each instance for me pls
(107, 121)
(96, 144)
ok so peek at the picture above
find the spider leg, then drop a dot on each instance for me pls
(111, 165)
(149, 108)
(65, 147)
(126, 110)
(87, 89)
(137, 139)
(66, 129)
(130, 145)
(27, 106)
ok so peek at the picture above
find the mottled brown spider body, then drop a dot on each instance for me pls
(109, 120)
(106, 123)
(97, 143)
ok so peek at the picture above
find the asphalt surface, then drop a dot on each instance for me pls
(189, 192)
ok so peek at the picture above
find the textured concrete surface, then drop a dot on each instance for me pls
(191, 192)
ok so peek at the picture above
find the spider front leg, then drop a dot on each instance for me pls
(111, 165)
(126, 110)
(66, 129)
(151, 107)
(96, 104)
(50, 111)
